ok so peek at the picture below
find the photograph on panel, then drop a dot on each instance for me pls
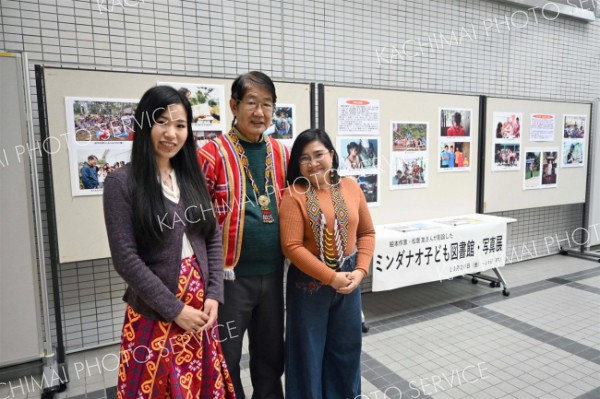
(409, 136)
(208, 102)
(358, 154)
(204, 136)
(507, 125)
(101, 120)
(94, 165)
(283, 122)
(532, 173)
(455, 156)
(549, 166)
(574, 127)
(455, 122)
(408, 169)
(506, 156)
(369, 184)
(572, 153)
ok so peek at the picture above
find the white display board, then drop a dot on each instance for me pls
(20, 335)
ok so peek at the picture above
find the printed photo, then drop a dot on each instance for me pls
(409, 136)
(455, 122)
(283, 122)
(94, 165)
(208, 104)
(357, 154)
(574, 127)
(97, 120)
(100, 138)
(506, 157)
(455, 156)
(203, 137)
(531, 177)
(572, 153)
(408, 170)
(507, 125)
(549, 164)
(369, 184)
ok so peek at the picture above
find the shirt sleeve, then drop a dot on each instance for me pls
(214, 252)
(291, 219)
(365, 235)
(118, 217)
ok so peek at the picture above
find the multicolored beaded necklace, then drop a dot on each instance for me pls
(332, 245)
(263, 199)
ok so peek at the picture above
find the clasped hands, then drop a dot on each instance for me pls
(346, 282)
(196, 320)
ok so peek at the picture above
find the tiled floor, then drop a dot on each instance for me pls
(449, 340)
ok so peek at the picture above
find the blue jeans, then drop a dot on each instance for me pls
(323, 339)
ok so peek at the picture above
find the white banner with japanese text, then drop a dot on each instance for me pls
(419, 252)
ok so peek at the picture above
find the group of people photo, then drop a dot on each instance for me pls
(452, 155)
(409, 136)
(412, 172)
(93, 173)
(574, 127)
(510, 128)
(283, 123)
(103, 121)
(507, 155)
(198, 265)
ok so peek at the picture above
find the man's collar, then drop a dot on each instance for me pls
(243, 138)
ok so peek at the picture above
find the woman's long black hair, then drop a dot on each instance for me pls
(308, 136)
(149, 210)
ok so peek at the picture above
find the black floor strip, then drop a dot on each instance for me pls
(388, 382)
(547, 337)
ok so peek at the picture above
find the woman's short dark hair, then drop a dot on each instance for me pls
(148, 198)
(244, 82)
(303, 139)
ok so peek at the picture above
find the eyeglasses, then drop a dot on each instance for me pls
(252, 105)
(306, 159)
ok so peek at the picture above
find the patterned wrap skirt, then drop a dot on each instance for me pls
(161, 360)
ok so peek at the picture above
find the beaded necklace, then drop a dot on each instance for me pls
(263, 199)
(331, 245)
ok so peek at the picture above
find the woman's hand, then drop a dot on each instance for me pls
(192, 319)
(211, 309)
(355, 279)
(342, 279)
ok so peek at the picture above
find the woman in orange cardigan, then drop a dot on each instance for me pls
(328, 235)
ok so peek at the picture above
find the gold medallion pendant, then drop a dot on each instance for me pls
(264, 201)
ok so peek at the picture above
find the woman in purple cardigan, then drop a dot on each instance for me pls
(166, 245)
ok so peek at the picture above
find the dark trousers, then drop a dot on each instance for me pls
(323, 339)
(255, 304)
